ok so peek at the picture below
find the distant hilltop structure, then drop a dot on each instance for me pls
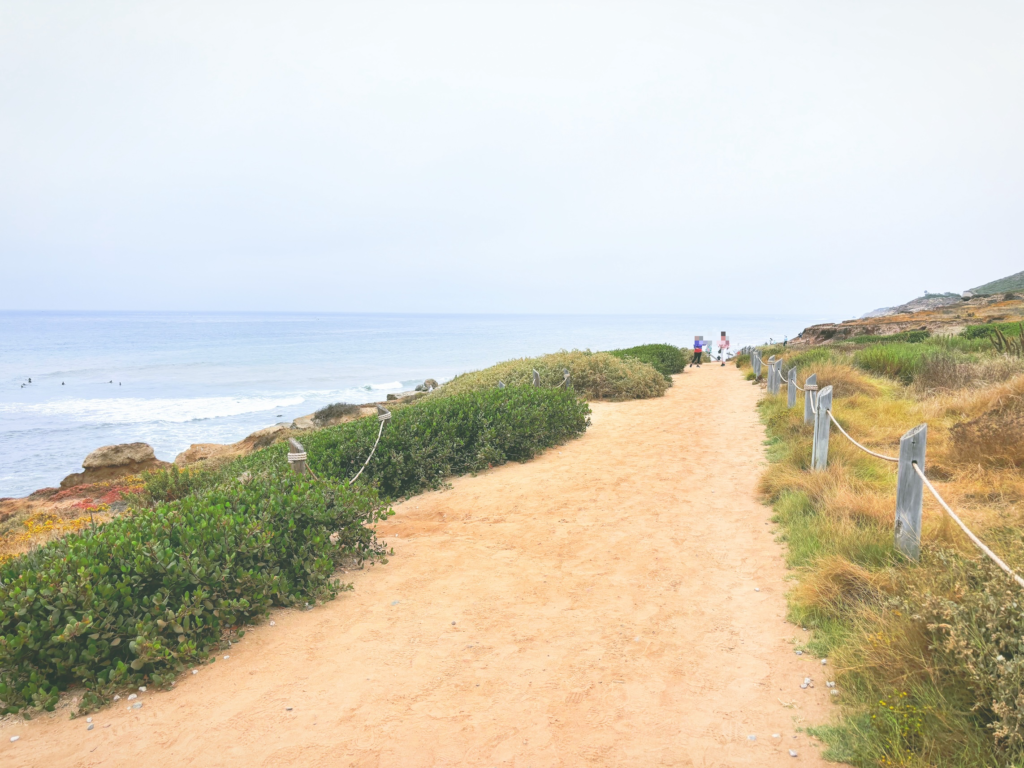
(936, 300)
(1000, 301)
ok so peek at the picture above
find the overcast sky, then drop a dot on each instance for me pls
(824, 157)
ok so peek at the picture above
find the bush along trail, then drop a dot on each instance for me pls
(202, 552)
(930, 653)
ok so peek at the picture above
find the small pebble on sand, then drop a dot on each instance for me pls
(137, 705)
(133, 696)
(142, 688)
(288, 709)
(195, 671)
(273, 623)
(751, 738)
(757, 589)
(453, 623)
(824, 662)
(776, 736)
(799, 653)
(15, 738)
(792, 753)
(117, 698)
(88, 719)
(227, 657)
(90, 727)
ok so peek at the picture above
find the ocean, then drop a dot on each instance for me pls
(171, 379)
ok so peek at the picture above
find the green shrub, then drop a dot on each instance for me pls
(595, 375)
(897, 361)
(978, 633)
(334, 411)
(664, 358)
(435, 438)
(137, 599)
(988, 330)
(903, 337)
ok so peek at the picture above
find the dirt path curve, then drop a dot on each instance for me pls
(597, 606)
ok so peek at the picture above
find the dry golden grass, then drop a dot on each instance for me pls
(870, 607)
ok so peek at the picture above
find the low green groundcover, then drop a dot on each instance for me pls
(138, 599)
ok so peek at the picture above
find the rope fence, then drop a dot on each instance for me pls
(911, 479)
(298, 458)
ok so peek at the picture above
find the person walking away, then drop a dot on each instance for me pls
(723, 348)
(698, 343)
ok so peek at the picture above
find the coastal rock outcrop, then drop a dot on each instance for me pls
(113, 461)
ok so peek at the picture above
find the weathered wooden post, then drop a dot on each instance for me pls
(910, 492)
(791, 387)
(777, 377)
(566, 378)
(501, 384)
(296, 456)
(810, 396)
(536, 378)
(822, 423)
(755, 363)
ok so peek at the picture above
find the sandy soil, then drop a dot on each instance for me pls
(596, 606)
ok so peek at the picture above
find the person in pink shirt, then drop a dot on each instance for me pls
(723, 348)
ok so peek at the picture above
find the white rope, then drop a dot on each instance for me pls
(879, 455)
(379, 433)
(297, 456)
(994, 557)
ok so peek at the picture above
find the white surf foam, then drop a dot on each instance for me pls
(133, 410)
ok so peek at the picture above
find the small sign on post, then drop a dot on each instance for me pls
(296, 456)
(822, 424)
(810, 394)
(910, 492)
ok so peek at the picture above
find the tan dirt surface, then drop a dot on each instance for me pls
(597, 606)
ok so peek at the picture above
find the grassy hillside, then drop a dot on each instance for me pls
(928, 656)
(1003, 285)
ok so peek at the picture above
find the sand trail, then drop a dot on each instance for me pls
(604, 608)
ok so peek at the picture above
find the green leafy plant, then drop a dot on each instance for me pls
(160, 587)
(435, 438)
(595, 376)
(664, 358)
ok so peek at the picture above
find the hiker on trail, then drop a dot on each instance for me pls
(723, 348)
(698, 347)
(785, 340)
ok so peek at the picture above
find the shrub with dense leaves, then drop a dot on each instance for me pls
(433, 439)
(158, 588)
(595, 375)
(666, 359)
(978, 632)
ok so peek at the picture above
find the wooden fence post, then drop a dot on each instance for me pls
(755, 363)
(536, 378)
(791, 387)
(771, 367)
(810, 393)
(910, 492)
(296, 456)
(822, 423)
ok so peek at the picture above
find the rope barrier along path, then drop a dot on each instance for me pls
(992, 555)
(383, 415)
(847, 436)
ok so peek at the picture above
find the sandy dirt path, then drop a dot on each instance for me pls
(597, 606)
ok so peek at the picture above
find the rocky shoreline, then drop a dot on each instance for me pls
(94, 495)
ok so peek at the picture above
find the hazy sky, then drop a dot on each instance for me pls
(621, 157)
